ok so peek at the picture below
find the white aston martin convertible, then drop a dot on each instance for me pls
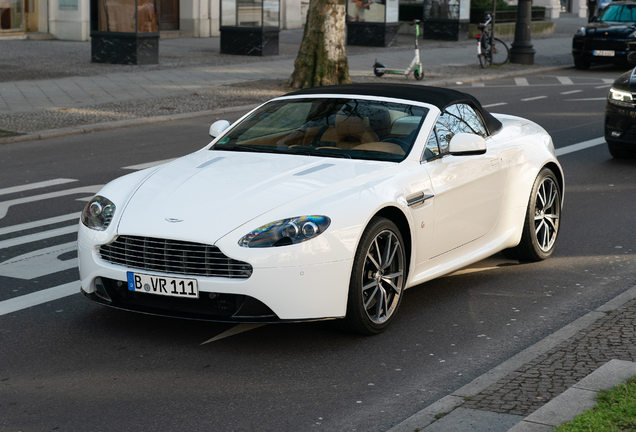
(326, 203)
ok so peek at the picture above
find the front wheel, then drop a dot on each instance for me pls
(417, 73)
(541, 226)
(377, 278)
(500, 52)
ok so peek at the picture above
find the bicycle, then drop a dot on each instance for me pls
(497, 54)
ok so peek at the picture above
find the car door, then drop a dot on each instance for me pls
(468, 190)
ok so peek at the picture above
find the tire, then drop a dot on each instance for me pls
(582, 64)
(417, 73)
(482, 61)
(377, 279)
(377, 72)
(542, 222)
(618, 152)
(500, 52)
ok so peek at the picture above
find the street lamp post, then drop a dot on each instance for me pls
(521, 51)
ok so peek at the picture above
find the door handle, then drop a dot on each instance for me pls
(417, 198)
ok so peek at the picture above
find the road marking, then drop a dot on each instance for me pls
(38, 298)
(39, 263)
(16, 241)
(571, 92)
(38, 185)
(4, 205)
(608, 80)
(533, 98)
(148, 165)
(521, 81)
(234, 331)
(585, 99)
(479, 84)
(580, 146)
(37, 224)
(603, 86)
(495, 104)
(565, 80)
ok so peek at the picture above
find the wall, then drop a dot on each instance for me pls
(68, 19)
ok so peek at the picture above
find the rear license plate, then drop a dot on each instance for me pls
(603, 53)
(166, 286)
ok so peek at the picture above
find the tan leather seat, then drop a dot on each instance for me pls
(385, 147)
(349, 132)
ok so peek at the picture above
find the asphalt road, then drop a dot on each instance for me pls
(71, 365)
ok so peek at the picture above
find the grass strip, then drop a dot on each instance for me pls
(615, 411)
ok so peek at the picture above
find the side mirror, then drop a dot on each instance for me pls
(218, 127)
(465, 144)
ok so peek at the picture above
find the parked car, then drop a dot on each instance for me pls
(620, 114)
(606, 39)
(326, 203)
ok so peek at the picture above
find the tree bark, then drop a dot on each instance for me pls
(322, 59)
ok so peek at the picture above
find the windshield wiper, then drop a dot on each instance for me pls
(238, 147)
(321, 153)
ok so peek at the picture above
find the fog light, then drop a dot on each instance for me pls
(615, 134)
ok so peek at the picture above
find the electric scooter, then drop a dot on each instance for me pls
(380, 69)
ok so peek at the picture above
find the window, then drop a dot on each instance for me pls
(458, 118)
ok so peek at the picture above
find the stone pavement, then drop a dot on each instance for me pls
(50, 88)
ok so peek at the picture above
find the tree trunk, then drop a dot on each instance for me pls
(322, 59)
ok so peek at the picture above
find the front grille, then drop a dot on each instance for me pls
(605, 44)
(174, 257)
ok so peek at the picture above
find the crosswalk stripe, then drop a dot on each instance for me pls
(521, 81)
(39, 297)
(38, 236)
(5, 205)
(565, 80)
(37, 185)
(37, 224)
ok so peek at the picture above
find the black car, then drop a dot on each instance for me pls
(620, 114)
(608, 37)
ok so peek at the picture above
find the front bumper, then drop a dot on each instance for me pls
(620, 125)
(583, 49)
(286, 293)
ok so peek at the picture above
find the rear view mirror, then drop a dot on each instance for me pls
(218, 127)
(465, 144)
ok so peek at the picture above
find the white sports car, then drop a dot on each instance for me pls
(324, 203)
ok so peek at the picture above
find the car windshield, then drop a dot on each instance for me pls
(346, 128)
(618, 13)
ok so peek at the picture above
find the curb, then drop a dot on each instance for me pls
(96, 127)
(427, 416)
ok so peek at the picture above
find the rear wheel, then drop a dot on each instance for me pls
(377, 279)
(619, 152)
(541, 227)
(482, 60)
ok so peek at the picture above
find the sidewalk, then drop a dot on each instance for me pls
(48, 85)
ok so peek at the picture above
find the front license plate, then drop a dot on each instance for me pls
(159, 285)
(603, 53)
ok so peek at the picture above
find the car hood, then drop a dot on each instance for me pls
(626, 81)
(609, 30)
(203, 196)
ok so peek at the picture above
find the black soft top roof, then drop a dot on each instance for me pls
(437, 96)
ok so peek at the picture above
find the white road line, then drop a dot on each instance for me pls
(38, 236)
(533, 98)
(4, 205)
(565, 80)
(603, 86)
(39, 263)
(495, 104)
(148, 165)
(234, 331)
(521, 81)
(580, 146)
(585, 99)
(608, 80)
(38, 298)
(38, 185)
(571, 92)
(479, 84)
(37, 224)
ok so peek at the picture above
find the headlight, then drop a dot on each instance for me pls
(98, 213)
(286, 232)
(619, 95)
(580, 32)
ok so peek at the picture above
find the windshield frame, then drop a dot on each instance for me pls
(409, 109)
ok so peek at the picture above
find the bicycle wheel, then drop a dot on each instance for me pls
(482, 61)
(500, 52)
